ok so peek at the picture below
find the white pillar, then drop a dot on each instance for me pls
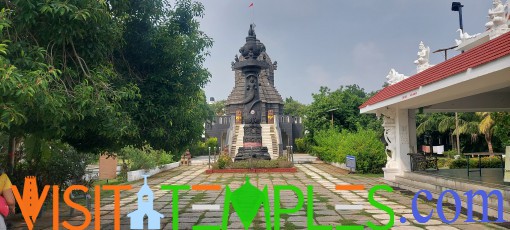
(397, 133)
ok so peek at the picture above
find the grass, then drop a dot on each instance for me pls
(250, 164)
(347, 222)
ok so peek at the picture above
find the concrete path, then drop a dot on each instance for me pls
(322, 177)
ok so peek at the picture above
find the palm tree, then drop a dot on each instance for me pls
(486, 127)
(482, 123)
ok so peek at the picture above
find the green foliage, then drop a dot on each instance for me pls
(163, 55)
(365, 145)
(211, 142)
(201, 148)
(53, 163)
(251, 164)
(223, 161)
(101, 75)
(444, 162)
(301, 145)
(450, 153)
(293, 108)
(145, 157)
(218, 107)
(346, 100)
(502, 129)
(487, 162)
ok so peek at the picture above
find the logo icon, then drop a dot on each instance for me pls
(145, 208)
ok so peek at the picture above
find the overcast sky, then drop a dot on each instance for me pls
(333, 42)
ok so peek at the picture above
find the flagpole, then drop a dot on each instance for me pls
(252, 13)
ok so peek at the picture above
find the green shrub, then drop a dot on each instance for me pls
(365, 145)
(301, 146)
(201, 148)
(444, 162)
(145, 158)
(52, 162)
(450, 153)
(487, 162)
(224, 161)
(165, 158)
(249, 164)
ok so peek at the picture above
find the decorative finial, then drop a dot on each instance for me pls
(251, 32)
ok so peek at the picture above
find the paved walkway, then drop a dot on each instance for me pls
(322, 177)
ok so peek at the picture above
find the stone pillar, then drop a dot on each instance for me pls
(396, 123)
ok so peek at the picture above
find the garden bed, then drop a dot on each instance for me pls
(255, 170)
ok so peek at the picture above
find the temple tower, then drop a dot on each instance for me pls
(255, 103)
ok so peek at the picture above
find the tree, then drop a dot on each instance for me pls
(486, 127)
(346, 101)
(163, 55)
(218, 107)
(472, 124)
(293, 108)
(502, 129)
(57, 56)
(100, 75)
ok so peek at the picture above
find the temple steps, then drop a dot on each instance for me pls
(237, 140)
(269, 140)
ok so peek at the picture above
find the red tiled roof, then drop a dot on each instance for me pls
(484, 53)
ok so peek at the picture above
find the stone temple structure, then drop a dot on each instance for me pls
(254, 119)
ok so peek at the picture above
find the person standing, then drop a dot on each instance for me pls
(6, 193)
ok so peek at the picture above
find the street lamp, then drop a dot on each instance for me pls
(209, 156)
(457, 6)
(332, 110)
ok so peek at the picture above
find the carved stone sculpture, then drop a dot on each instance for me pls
(390, 136)
(498, 19)
(394, 77)
(422, 63)
(464, 36)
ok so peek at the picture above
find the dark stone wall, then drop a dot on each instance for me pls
(218, 128)
(292, 128)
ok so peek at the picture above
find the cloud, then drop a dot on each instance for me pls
(318, 75)
(366, 53)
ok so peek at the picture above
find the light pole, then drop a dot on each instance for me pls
(456, 114)
(457, 6)
(209, 156)
(332, 110)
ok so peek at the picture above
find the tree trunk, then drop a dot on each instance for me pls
(489, 143)
(457, 133)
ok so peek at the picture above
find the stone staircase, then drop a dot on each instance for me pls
(270, 140)
(416, 181)
(237, 140)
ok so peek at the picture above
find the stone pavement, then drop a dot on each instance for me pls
(322, 177)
